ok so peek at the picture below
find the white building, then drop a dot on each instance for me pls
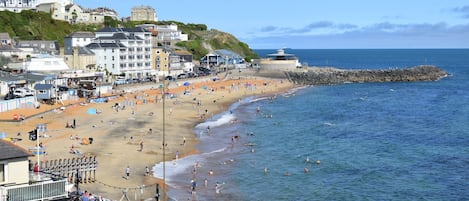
(167, 34)
(78, 39)
(19, 5)
(124, 51)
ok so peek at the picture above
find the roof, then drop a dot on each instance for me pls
(104, 45)
(112, 29)
(4, 35)
(83, 51)
(181, 52)
(20, 78)
(46, 63)
(43, 86)
(8, 48)
(226, 53)
(81, 34)
(109, 29)
(11, 151)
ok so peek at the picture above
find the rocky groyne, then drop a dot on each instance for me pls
(327, 75)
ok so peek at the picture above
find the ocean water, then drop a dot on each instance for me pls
(375, 141)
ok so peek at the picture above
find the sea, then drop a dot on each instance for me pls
(354, 141)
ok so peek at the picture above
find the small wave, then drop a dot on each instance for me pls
(328, 124)
(173, 168)
(223, 119)
(259, 99)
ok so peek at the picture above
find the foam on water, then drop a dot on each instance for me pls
(181, 165)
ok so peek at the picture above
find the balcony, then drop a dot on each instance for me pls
(45, 189)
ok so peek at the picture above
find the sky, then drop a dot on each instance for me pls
(314, 24)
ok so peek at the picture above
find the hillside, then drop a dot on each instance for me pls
(30, 25)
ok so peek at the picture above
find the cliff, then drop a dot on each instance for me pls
(327, 76)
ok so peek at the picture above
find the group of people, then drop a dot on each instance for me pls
(127, 172)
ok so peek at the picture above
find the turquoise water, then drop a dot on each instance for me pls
(375, 141)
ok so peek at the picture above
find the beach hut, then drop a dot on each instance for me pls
(45, 91)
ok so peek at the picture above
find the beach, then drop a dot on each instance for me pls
(132, 136)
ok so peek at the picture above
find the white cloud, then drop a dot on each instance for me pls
(379, 35)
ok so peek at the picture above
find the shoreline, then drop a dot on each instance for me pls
(117, 135)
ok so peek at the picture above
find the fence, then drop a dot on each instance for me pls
(25, 102)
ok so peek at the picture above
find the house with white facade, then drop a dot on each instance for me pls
(5, 39)
(167, 34)
(124, 51)
(20, 5)
(78, 39)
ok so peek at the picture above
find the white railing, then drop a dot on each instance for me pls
(46, 190)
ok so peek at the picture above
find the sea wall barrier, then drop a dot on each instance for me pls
(328, 75)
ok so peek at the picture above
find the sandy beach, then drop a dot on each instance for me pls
(133, 137)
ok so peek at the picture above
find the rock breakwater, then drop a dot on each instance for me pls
(327, 76)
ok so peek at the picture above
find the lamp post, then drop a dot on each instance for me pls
(164, 142)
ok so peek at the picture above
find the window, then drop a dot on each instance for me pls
(2, 173)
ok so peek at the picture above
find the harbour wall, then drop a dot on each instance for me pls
(328, 75)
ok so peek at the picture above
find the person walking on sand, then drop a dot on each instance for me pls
(141, 146)
(127, 172)
(147, 171)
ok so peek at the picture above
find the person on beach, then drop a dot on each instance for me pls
(193, 185)
(177, 155)
(206, 183)
(147, 171)
(141, 146)
(127, 172)
(183, 141)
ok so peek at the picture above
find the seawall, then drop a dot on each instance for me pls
(328, 75)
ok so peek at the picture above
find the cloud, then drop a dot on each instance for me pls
(269, 28)
(462, 10)
(379, 35)
(313, 27)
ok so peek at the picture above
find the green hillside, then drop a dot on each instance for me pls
(30, 25)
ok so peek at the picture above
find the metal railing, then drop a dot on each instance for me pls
(47, 190)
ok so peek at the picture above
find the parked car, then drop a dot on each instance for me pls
(120, 82)
(191, 74)
(182, 76)
(23, 92)
(169, 77)
(9, 96)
